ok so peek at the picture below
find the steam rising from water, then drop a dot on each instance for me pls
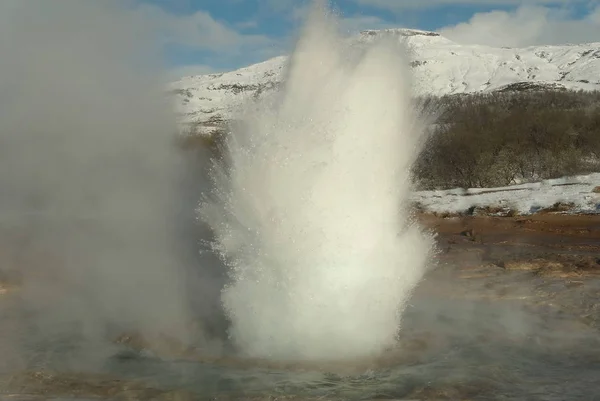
(308, 206)
(89, 196)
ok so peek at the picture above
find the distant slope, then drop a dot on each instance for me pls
(439, 65)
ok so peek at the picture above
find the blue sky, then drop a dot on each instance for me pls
(216, 35)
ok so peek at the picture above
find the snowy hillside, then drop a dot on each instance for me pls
(439, 66)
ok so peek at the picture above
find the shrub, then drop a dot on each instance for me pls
(502, 138)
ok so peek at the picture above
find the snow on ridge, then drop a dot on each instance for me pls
(526, 199)
(439, 66)
(398, 31)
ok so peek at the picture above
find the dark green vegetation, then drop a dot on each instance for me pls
(496, 139)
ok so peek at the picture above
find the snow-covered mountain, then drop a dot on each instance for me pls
(439, 67)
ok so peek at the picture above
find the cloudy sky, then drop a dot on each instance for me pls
(215, 35)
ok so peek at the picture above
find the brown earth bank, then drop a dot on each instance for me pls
(549, 244)
(556, 224)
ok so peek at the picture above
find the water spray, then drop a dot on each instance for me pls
(309, 204)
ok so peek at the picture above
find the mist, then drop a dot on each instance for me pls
(93, 201)
(309, 207)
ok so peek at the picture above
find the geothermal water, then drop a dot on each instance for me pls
(309, 204)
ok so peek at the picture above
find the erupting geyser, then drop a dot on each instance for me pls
(308, 206)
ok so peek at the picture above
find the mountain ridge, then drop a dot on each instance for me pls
(439, 67)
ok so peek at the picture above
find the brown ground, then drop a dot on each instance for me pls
(548, 244)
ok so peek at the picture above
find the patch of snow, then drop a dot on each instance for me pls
(526, 199)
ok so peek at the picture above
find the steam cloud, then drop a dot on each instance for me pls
(91, 184)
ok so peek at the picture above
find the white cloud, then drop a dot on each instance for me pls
(399, 5)
(595, 16)
(201, 31)
(528, 25)
(227, 43)
(250, 24)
